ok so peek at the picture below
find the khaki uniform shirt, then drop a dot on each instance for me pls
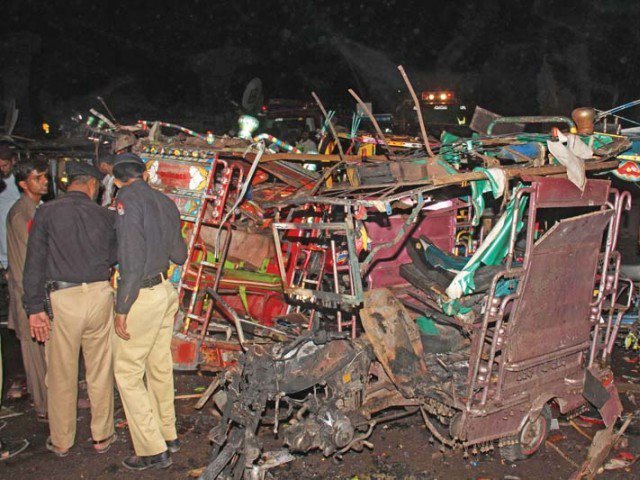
(18, 222)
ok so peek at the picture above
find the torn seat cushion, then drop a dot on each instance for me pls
(424, 275)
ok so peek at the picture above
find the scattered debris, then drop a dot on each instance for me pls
(603, 442)
(580, 430)
(621, 460)
(188, 396)
(562, 454)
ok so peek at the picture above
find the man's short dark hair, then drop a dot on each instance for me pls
(7, 153)
(107, 159)
(23, 169)
(127, 171)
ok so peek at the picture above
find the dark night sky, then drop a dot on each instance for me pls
(190, 58)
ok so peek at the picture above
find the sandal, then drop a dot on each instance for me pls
(103, 446)
(17, 390)
(11, 449)
(55, 450)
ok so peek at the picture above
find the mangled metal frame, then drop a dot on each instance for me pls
(384, 388)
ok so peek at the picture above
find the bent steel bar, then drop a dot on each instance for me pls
(399, 235)
(514, 224)
(612, 338)
(236, 319)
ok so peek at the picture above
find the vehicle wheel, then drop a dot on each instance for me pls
(531, 437)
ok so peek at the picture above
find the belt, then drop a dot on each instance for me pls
(54, 285)
(153, 280)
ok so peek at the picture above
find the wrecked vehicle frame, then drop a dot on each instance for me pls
(496, 388)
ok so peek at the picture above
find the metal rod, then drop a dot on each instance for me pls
(279, 256)
(399, 235)
(366, 110)
(423, 129)
(336, 282)
(333, 131)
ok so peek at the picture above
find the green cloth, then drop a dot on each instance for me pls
(492, 251)
(453, 308)
(427, 326)
(478, 189)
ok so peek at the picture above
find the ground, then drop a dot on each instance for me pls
(401, 450)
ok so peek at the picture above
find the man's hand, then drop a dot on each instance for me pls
(121, 326)
(40, 326)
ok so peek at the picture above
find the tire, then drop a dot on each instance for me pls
(530, 438)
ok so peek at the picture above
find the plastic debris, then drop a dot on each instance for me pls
(621, 460)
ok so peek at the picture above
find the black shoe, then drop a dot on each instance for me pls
(161, 460)
(173, 445)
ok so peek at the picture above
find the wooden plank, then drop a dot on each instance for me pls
(207, 393)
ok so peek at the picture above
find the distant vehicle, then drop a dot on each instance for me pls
(441, 110)
(289, 118)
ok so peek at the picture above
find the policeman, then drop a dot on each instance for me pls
(149, 237)
(71, 249)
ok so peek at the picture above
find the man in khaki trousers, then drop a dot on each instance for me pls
(149, 237)
(71, 249)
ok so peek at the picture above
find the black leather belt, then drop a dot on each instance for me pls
(153, 280)
(54, 285)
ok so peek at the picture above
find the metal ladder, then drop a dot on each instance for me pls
(218, 192)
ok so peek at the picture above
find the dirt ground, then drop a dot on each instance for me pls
(402, 450)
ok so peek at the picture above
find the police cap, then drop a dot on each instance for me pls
(75, 168)
(127, 158)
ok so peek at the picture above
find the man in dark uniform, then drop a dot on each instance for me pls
(70, 252)
(149, 237)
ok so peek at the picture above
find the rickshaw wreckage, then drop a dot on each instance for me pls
(477, 285)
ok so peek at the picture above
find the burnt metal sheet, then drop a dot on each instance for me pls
(557, 289)
(594, 391)
(482, 118)
(311, 363)
(561, 192)
(395, 339)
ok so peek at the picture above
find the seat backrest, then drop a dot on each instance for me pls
(552, 311)
(560, 192)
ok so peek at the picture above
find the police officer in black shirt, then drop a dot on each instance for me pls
(149, 238)
(70, 251)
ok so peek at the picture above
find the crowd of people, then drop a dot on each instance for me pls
(59, 258)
